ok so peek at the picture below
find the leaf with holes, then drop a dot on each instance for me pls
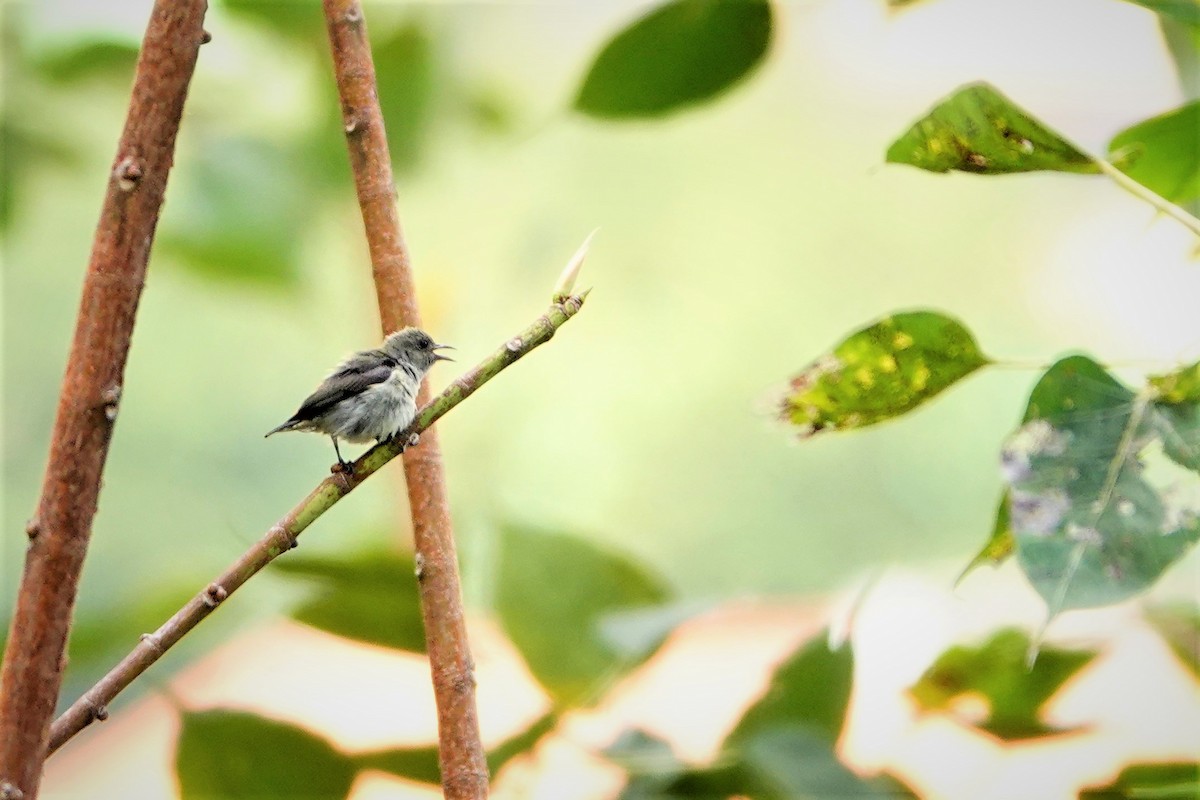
(682, 53)
(977, 129)
(998, 672)
(1096, 510)
(881, 372)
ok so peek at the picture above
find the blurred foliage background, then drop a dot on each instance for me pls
(737, 239)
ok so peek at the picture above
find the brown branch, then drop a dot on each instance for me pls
(91, 391)
(282, 536)
(460, 752)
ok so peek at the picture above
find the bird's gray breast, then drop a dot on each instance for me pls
(377, 412)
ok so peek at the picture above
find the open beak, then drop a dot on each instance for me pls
(438, 356)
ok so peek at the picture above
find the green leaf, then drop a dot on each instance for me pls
(296, 19)
(1170, 781)
(880, 372)
(1180, 386)
(999, 546)
(1185, 11)
(105, 59)
(811, 688)
(553, 594)
(683, 53)
(421, 763)
(232, 755)
(1092, 524)
(998, 671)
(371, 597)
(656, 773)
(977, 129)
(523, 742)
(414, 763)
(1163, 153)
(794, 763)
(1180, 628)
(238, 212)
(404, 72)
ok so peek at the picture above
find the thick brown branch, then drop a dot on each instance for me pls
(282, 536)
(91, 392)
(460, 752)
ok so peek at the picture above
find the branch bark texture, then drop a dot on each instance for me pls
(91, 391)
(282, 536)
(460, 751)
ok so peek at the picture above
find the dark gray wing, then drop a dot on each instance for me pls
(357, 374)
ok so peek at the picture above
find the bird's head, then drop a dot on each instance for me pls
(416, 347)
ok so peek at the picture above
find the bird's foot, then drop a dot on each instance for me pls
(404, 444)
(343, 467)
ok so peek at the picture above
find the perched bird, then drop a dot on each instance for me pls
(372, 394)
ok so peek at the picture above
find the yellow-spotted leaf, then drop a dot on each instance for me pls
(1000, 544)
(977, 129)
(880, 372)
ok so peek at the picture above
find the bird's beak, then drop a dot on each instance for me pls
(439, 356)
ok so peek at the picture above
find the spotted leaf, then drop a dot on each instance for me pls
(977, 129)
(880, 372)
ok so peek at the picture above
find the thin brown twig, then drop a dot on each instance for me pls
(281, 537)
(91, 391)
(460, 750)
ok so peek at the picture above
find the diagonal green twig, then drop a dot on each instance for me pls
(92, 705)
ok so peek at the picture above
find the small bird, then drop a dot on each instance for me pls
(372, 394)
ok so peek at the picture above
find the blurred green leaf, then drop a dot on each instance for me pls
(998, 671)
(1000, 544)
(788, 762)
(238, 211)
(523, 742)
(1180, 628)
(811, 688)
(23, 149)
(103, 59)
(232, 755)
(1171, 781)
(421, 763)
(1183, 43)
(656, 773)
(370, 597)
(977, 129)
(1163, 153)
(552, 594)
(637, 633)
(1185, 11)
(405, 75)
(682, 53)
(1180, 386)
(1091, 524)
(413, 763)
(297, 19)
(881, 372)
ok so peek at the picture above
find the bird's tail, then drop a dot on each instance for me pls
(287, 426)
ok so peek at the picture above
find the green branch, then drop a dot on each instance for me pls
(92, 705)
